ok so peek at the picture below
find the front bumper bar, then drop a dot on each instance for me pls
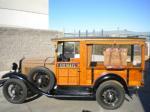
(2, 81)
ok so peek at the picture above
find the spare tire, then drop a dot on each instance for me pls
(42, 78)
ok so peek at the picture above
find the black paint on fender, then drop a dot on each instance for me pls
(111, 76)
(16, 75)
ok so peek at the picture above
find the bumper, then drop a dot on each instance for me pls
(134, 89)
(2, 81)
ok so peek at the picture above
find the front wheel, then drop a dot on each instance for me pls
(110, 95)
(42, 78)
(15, 91)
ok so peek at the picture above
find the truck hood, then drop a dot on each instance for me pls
(39, 60)
(29, 63)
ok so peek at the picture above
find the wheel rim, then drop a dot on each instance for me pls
(110, 96)
(15, 91)
(41, 80)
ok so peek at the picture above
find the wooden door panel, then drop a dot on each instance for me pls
(73, 81)
(68, 76)
(63, 80)
(62, 72)
(73, 72)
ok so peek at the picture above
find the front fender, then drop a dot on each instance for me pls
(12, 75)
(22, 77)
(15, 75)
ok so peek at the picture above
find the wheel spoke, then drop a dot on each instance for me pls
(110, 96)
(15, 91)
(41, 79)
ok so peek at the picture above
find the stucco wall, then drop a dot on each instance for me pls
(24, 13)
(18, 42)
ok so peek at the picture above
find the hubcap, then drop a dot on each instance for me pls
(41, 80)
(110, 96)
(14, 91)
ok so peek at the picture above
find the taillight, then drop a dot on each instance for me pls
(143, 77)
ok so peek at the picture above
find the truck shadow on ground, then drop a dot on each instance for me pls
(144, 93)
(32, 97)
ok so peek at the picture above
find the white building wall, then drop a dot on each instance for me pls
(24, 13)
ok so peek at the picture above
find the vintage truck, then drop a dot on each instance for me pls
(104, 68)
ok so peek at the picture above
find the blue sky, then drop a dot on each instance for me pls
(73, 15)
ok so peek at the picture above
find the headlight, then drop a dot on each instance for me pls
(14, 66)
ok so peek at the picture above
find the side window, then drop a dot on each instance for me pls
(97, 52)
(103, 54)
(71, 49)
(60, 48)
(137, 55)
(67, 50)
(109, 55)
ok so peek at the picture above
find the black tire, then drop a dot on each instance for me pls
(15, 91)
(43, 78)
(110, 95)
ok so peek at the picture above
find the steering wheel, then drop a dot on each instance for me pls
(61, 57)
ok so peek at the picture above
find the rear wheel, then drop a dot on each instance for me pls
(15, 91)
(110, 95)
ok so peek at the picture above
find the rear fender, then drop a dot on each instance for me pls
(111, 76)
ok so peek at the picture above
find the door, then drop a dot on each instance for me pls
(68, 73)
(67, 66)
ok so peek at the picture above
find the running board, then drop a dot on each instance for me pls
(71, 96)
(73, 92)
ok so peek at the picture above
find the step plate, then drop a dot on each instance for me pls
(73, 93)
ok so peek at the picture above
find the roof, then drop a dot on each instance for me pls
(97, 38)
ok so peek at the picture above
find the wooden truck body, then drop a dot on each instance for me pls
(101, 67)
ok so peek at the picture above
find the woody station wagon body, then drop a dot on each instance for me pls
(104, 68)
